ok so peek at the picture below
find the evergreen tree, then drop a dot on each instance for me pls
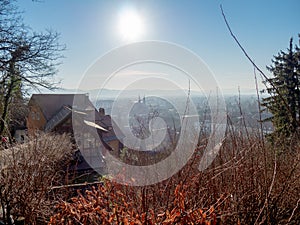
(284, 91)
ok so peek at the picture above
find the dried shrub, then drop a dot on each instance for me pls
(115, 204)
(250, 182)
(28, 173)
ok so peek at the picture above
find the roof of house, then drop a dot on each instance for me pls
(114, 132)
(57, 107)
(51, 104)
(59, 117)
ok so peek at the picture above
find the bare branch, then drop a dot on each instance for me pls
(253, 63)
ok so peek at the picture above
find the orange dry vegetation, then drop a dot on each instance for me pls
(108, 205)
(250, 182)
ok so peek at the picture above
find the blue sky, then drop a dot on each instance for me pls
(90, 29)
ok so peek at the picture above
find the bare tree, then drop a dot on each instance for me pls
(27, 58)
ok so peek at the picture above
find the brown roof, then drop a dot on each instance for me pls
(106, 122)
(50, 104)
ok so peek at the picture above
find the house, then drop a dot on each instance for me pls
(51, 112)
(92, 130)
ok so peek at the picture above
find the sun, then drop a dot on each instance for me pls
(131, 25)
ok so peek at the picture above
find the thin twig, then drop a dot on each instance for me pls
(294, 210)
(270, 189)
(259, 106)
(253, 63)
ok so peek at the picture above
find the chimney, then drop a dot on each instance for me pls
(101, 111)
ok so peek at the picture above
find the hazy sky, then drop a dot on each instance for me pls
(90, 28)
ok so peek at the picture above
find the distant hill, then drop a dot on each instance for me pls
(110, 94)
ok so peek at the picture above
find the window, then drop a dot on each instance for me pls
(89, 140)
(33, 115)
(37, 116)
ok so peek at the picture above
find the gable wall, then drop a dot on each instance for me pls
(35, 120)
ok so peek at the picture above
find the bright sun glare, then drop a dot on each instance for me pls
(131, 25)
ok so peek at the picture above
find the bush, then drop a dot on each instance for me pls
(248, 183)
(28, 173)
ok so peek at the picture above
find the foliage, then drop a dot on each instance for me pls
(27, 58)
(113, 204)
(284, 90)
(27, 174)
(248, 183)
